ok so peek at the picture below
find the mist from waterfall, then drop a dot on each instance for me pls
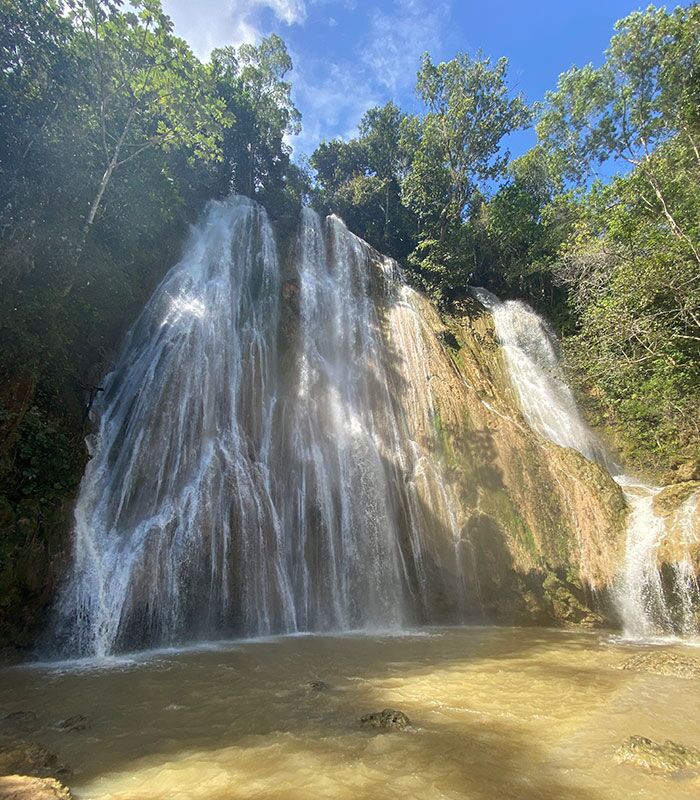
(531, 356)
(265, 457)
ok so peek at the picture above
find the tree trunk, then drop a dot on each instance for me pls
(95, 205)
(94, 208)
(676, 230)
(386, 214)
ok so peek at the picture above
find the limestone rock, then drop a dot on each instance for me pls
(667, 757)
(663, 663)
(28, 758)
(24, 787)
(387, 720)
(566, 606)
(688, 471)
(671, 497)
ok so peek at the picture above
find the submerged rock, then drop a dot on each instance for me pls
(388, 720)
(318, 686)
(28, 758)
(20, 721)
(25, 787)
(75, 723)
(663, 663)
(667, 757)
(20, 716)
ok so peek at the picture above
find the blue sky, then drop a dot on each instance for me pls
(350, 55)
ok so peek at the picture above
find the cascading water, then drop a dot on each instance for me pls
(532, 361)
(265, 457)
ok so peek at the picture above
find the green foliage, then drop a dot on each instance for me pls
(630, 263)
(361, 181)
(251, 82)
(45, 458)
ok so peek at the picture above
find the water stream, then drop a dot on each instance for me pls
(646, 606)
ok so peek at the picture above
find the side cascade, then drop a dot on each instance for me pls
(649, 602)
(265, 457)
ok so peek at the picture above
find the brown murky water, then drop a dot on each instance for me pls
(497, 714)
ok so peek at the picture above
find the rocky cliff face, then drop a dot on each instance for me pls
(546, 527)
(543, 527)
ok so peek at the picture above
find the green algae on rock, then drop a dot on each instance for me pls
(668, 757)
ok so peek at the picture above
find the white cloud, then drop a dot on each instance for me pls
(382, 65)
(396, 40)
(332, 98)
(207, 24)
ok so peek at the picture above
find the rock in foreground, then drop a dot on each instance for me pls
(387, 720)
(27, 758)
(24, 787)
(663, 663)
(667, 757)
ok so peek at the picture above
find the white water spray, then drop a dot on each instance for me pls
(264, 458)
(531, 356)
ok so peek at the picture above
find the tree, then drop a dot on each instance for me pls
(387, 160)
(457, 151)
(141, 88)
(645, 94)
(252, 82)
(361, 180)
(34, 70)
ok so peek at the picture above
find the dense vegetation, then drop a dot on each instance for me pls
(113, 136)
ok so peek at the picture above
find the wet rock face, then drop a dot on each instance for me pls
(663, 663)
(668, 757)
(566, 607)
(387, 720)
(532, 512)
(25, 787)
(27, 758)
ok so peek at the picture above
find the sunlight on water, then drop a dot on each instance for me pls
(182, 306)
(496, 713)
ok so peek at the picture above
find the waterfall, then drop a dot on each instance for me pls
(265, 457)
(646, 606)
